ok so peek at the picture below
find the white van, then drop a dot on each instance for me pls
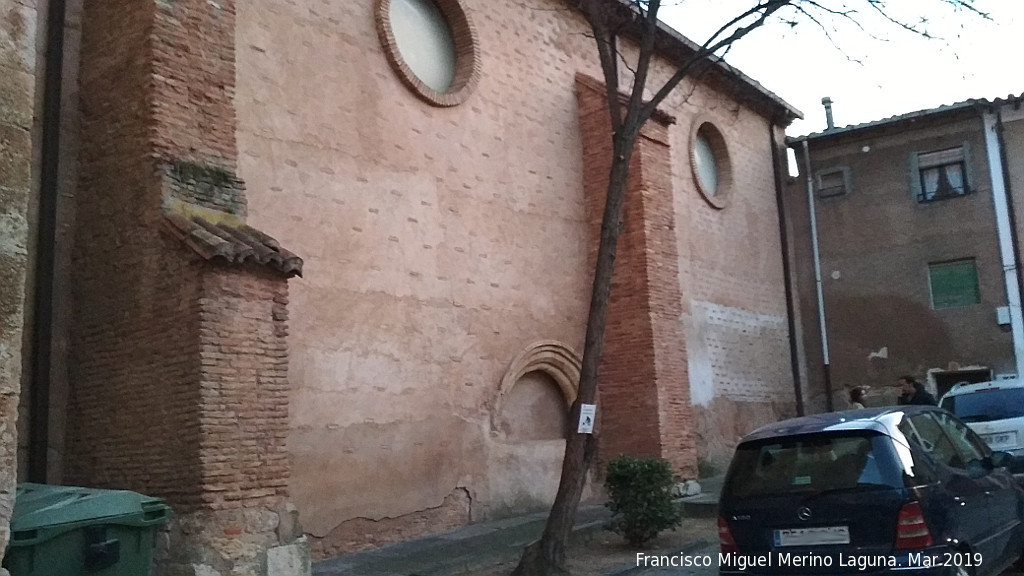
(995, 410)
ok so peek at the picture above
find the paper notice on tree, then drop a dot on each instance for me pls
(587, 412)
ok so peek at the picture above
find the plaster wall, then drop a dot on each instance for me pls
(440, 242)
(731, 278)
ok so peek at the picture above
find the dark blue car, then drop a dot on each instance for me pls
(906, 490)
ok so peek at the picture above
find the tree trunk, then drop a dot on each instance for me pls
(546, 557)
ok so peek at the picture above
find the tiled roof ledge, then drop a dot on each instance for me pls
(226, 239)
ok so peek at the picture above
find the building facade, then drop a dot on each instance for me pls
(443, 215)
(445, 246)
(916, 225)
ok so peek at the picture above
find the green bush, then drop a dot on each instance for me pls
(640, 498)
(706, 468)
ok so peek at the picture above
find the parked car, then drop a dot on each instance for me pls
(905, 490)
(995, 410)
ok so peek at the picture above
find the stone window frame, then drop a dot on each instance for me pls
(833, 191)
(467, 53)
(917, 168)
(722, 196)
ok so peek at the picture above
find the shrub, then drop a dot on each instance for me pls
(706, 468)
(640, 498)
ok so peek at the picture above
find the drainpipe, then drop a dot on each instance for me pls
(1011, 209)
(817, 280)
(1004, 229)
(49, 182)
(787, 277)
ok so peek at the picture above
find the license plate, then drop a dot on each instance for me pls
(1001, 440)
(812, 536)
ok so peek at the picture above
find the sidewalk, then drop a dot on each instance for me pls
(461, 550)
(487, 543)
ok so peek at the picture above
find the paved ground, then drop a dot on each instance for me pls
(459, 551)
(488, 548)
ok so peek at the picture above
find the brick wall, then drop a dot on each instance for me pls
(133, 415)
(135, 317)
(644, 391)
(244, 388)
(178, 359)
(876, 244)
(193, 67)
(629, 401)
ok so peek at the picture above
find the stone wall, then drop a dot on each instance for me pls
(19, 21)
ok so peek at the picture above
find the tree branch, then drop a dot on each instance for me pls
(769, 7)
(643, 66)
(608, 54)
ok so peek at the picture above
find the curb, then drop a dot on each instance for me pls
(688, 548)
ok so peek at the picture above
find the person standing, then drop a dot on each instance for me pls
(913, 392)
(857, 395)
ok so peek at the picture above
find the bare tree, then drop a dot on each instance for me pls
(637, 20)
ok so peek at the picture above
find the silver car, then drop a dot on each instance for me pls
(995, 410)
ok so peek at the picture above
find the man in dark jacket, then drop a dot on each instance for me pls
(913, 392)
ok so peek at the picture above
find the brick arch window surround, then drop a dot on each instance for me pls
(710, 163)
(432, 46)
(550, 357)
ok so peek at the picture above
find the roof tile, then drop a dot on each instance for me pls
(231, 244)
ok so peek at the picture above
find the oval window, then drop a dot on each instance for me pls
(709, 159)
(707, 167)
(425, 41)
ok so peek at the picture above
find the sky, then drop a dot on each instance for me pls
(871, 78)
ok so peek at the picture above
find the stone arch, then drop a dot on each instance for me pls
(551, 357)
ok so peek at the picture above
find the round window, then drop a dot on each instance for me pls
(707, 167)
(432, 46)
(424, 41)
(709, 159)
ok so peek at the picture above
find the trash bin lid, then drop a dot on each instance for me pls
(41, 506)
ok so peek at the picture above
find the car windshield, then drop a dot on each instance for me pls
(986, 405)
(813, 464)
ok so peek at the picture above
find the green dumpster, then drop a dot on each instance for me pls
(68, 531)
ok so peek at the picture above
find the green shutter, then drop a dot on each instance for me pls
(954, 284)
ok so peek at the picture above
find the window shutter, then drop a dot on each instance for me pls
(915, 177)
(968, 168)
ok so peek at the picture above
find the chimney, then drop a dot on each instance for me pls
(827, 103)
